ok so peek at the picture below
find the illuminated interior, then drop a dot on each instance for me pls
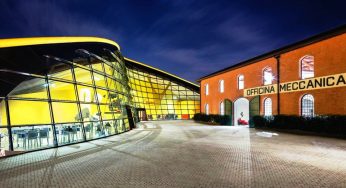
(70, 94)
(161, 97)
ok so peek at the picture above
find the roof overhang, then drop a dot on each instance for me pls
(164, 73)
(14, 42)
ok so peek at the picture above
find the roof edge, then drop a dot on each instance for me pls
(307, 41)
(145, 65)
(14, 42)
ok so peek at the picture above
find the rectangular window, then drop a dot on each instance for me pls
(83, 75)
(65, 112)
(29, 112)
(62, 91)
(31, 88)
(206, 89)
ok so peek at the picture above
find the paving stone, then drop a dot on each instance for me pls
(184, 154)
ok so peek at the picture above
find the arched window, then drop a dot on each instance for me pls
(207, 109)
(267, 76)
(221, 86)
(307, 66)
(206, 89)
(268, 107)
(241, 81)
(307, 105)
(222, 108)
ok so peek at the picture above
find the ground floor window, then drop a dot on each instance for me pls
(307, 105)
(207, 109)
(222, 108)
(268, 107)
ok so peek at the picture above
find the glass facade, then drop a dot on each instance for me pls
(161, 97)
(85, 97)
(84, 101)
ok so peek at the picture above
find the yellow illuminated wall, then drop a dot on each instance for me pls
(161, 97)
(99, 88)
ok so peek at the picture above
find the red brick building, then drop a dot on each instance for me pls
(305, 78)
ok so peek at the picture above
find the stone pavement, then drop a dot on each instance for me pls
(184, 154)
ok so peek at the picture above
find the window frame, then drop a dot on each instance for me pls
(243, 81)
(265, 106)
(206, 109)
(303, 109)
(222, 108)
(267, 69)
(222, 86)
(206, 88)
(301, 67)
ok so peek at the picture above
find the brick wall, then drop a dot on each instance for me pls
(329, 58)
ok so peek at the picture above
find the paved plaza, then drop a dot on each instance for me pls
(184, 154)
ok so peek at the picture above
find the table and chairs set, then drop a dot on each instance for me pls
(35, 137)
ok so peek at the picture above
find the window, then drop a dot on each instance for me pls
(206, 89)
(307, 105)
(307, 67)
(207, 109)
(267, 76)
(221, 86)
(267, 107)
(241, 81)
(222, 108)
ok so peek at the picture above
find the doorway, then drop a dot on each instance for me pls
(241, 112)
(142, 114)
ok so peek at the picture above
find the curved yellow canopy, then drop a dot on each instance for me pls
(12, 42)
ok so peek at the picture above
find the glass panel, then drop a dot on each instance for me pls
(127, 125)
(65, 112)
(4, 139)
(268, 107)
(29, 112)
(62, 91)
(308, 105)
(94, 130)
(307, 66)
(3, 116)
(102, 96)
(241, 82)
(90, 112)
(86, 94)
(106, 113)
(32, 137)
(267, 76)
(31, 88)
(109, 70)
(97, 66)
(83, 75)
(120, 125)
(69, 133)
(100, 80)
(66, 75)
(109, 127)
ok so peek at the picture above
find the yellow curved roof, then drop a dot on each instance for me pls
(52, 40)
(172, 75)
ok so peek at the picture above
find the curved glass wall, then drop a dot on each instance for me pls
(84, 101)
(84, 98)
(160, 97)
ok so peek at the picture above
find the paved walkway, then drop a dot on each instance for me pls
(184, 154)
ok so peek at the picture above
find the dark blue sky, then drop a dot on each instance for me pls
(189, 38)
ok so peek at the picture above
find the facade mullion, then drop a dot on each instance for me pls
(55, 140)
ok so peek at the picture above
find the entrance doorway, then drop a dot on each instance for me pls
(241, 112)
(130, 116)
(142, 114)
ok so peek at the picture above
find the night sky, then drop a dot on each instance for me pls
(184, 37)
